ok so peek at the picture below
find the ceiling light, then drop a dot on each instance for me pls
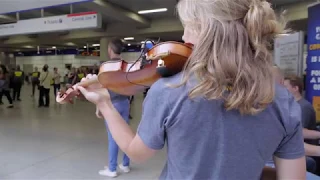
(128, 38)
(70, 44)
(95, 45)
(53, 47)
(152, 11)
(84, 46)
(129, 44)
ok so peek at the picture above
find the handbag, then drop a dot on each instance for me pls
(40, 86)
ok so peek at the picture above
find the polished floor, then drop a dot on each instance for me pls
(61, 142)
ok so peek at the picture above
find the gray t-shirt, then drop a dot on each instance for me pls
(308, 114)
(204, 141)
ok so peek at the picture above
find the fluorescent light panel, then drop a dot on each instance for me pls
(95, 45)
(128, 38)
(152, 11)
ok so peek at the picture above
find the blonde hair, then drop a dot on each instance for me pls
(235, 38)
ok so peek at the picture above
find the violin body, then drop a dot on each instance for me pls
(164, 59)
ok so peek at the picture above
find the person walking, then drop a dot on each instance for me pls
(44, 87)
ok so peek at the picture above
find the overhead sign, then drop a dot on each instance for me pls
(54, 23)
(313, 59)
(288, 53)
(25, 5)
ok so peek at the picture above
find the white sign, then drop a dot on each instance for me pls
(55, 23)
(288, 53)
(11, 6)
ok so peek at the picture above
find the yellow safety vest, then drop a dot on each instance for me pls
(18, 73)
(81, 75)
(35, 74)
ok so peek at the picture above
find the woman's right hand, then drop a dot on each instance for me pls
(94, 93)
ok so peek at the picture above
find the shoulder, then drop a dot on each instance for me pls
(305, 104)
(167, 86)
(289, 111)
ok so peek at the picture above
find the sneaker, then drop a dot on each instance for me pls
(10, 106)
(125, 169)
(107, 172)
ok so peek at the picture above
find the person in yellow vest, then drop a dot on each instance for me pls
(45, 84)
(18, 78)
(56, 81)
(80, 74)
(35, 80)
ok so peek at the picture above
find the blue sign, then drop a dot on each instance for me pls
(313, 58)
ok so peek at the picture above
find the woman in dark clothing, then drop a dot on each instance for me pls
(4, 85)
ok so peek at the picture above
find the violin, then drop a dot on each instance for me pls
(162, 60)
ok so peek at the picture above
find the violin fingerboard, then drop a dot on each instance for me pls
(135, 67)
(112, 66)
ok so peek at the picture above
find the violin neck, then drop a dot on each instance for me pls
(89, 82)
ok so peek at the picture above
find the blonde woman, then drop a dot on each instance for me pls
(211, 131)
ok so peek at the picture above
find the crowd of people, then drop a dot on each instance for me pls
(12, 80)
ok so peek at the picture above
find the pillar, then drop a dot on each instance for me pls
(104, 42)
(5, 58)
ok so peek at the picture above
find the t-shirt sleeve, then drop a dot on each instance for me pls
(292, 146)
(155, 112)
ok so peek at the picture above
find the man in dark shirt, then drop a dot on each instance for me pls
(295, 85)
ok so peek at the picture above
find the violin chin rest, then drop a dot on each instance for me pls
(164, 71)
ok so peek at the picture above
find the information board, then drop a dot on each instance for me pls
(84, 20)
(12, 6)
(288, 53)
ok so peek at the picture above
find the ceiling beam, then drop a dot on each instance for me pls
(116, 12)
(7, 19)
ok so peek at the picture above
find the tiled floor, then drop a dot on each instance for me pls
(60, 142)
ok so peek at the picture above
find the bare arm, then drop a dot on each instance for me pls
(310, 134)
(312, 150)
(128, 142)
(291, 168)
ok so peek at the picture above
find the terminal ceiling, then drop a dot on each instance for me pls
(120, 18)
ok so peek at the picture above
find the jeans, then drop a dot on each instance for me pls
(44, 93)
(123, 108)
(16, 91)
(35, 85)
(56, 88)
(7, 94)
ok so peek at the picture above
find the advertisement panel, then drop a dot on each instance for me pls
(313, 59)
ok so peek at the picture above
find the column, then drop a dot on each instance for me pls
(5, 58)
(104, 42)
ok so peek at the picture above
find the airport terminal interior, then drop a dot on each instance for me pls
(42, 140)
